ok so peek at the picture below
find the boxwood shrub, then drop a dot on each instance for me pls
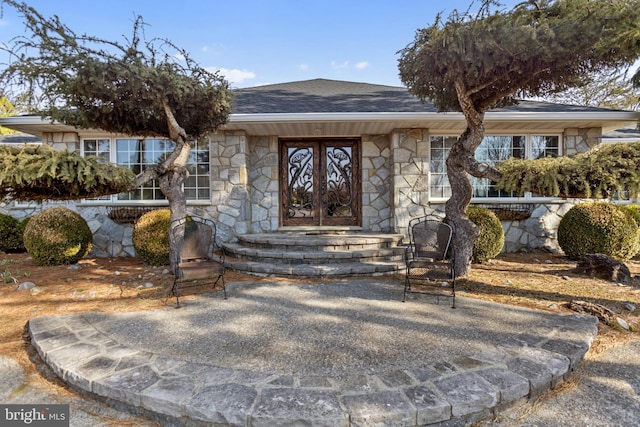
(57, 236)
(598, 228)
(491, 239)
(151, 237)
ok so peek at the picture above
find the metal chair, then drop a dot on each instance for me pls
(429, 259)
(198, 255)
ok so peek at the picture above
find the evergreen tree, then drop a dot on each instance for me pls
(136, 87)
(471, 63)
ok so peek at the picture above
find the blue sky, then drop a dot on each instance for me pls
(257, 42)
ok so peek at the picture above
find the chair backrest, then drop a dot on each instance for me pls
(193, 238)
(430, 238)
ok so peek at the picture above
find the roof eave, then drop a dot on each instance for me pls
(426, 116)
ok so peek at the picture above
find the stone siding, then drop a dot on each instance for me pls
(230, 200)
(579, 140)
(263, 184)
(410, 157)
(376, 184)
(245, 192)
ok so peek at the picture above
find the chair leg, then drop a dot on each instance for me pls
(453, 293)
(407, 286)
(175, 292)
(224, 286)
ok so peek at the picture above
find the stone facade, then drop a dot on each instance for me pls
(245, 193)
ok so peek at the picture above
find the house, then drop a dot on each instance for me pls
(324, 155)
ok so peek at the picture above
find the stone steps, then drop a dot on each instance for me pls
(314, 255)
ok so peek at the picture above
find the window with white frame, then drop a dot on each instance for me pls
(492, 150)
(139, 153)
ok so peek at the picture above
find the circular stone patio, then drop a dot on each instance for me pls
(337, 353)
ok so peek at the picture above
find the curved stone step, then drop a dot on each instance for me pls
(313, 241)
(316, 254)
(314, 270)
(278, 255)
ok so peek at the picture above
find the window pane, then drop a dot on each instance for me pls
(439, 150)
(544, 146)
(98, 148)
(138, 154)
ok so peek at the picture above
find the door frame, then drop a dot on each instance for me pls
(320, 216)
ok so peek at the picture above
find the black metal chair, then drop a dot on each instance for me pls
(198, 255)
(429, 259)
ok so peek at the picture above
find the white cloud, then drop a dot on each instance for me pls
(204, 48)
(234, 75)
(346, 64)
(303, 67)
(336, 65)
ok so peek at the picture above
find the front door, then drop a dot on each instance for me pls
(320, 183)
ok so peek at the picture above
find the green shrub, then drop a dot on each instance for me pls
(151, 236)
(11, 234)
(598, 227)
(57, 236)
(491, 239)
(633, 210)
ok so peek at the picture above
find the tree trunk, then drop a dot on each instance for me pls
(460, 163)
(465, 231)
(174, 176)
(171, 186)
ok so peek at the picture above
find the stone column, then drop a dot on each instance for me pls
(263, 184)
(376, 183)
(231, 208)
(410, 157)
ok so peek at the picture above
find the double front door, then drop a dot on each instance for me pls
(320, 182)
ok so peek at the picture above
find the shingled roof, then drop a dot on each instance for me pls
(334, 96)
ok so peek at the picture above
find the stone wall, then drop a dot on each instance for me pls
(230, 200)
(263, 184)
(376, 183)
(410, 158)
(62, 140)
(579, 140)
(539, 232)
(245, 190)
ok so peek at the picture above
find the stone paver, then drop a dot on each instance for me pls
(178, 389)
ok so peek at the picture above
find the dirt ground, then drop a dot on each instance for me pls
(542, 281)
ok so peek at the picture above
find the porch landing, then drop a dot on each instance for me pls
(316, 254)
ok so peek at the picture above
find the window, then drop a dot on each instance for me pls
(493, 149)
(137, 154)
(440, 147)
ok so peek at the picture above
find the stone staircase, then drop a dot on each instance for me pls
(316, 254)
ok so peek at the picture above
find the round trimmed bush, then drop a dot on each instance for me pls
(151, 236)
(57, 236)
(11, 231)
(598, 228)
(633, 210)
(491, 239)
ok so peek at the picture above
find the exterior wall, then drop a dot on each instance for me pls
(263, 184)
(579, 140)
(410, 158)
(540, 231)
(245, 190)
(62, 140)
(377, 211)
(230, 200)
